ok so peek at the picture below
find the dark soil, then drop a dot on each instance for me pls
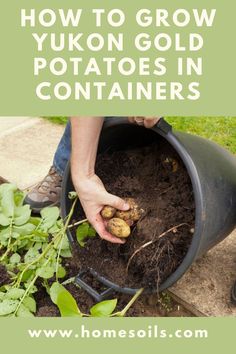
(157, 179)
(156, 305)
(4, 277)
(145, 306)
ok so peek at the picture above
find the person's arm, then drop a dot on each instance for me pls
(92, 194)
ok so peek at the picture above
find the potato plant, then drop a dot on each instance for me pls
(32, 250)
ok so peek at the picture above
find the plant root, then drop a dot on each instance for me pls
(174, 228)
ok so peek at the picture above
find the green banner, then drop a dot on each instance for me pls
(117, 58)
(146, 335)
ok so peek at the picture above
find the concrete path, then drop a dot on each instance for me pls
(206, 285)
(27, 146)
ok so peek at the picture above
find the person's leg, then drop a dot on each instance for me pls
(48, 191)
(62, 154)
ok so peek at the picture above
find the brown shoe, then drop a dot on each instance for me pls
(46, 193)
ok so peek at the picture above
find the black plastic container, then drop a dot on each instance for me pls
(212, 171)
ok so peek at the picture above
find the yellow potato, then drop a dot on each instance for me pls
(175, 165)
(118, 228)
(132, 203)
(124, 215)
(133, 214)
(108, 212)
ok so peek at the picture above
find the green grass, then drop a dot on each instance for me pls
(57, 120)
(222, 130)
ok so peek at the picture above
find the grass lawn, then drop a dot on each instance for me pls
(222, 130)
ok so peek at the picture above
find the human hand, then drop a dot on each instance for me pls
(147, 122)
(93, 197)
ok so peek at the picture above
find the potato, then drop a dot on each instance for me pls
(108, 212)
(133, 214)
(132, 203)
(129, 222)
(175, 165)
(118, 228)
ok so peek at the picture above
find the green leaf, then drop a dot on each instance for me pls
(14, 294)
(54, 291)
(5, 187)
(19, 197)
(31, 255)
(40, 234)
(22, 215)
(67, 305)
(35, 220)
(38, 246)
(24, 312)
(82, 233)
(66, 253)
(4, 220)
(23, 230)
(104, 308)
(15, 258)
(33, 289)
(30, 303)
(45, 272)
(54, 229)
(91, 232)
(61, 273)
(8, 306)
(5, 234)
(7, 201)
(26, 229)
(27, 275)
(22, 244)
(50, 216)
(64, 301)
(64, 244)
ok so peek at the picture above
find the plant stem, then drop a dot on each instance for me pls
(37, 259)
(77, 223)
(127, 307)
(57, 236)
(9, 242)
(68, 281)
(27, 237)
(66, 226)
(26, 293)
(29, 287)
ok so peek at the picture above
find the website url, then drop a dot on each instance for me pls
(151, 332)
